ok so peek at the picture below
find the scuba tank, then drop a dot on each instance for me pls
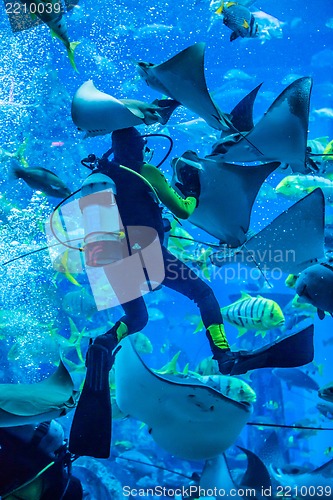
(103, 229)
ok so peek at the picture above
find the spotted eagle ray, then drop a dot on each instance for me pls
(22, 404)
(98, 113)
(292, 242)
(182, 78)
(185, 417)
(228, 192)
(281, 134)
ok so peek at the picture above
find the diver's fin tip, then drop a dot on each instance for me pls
(90, 433)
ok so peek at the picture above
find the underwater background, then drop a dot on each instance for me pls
(42, 310)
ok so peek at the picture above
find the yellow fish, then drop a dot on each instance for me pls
(328, 151)
(253, 313)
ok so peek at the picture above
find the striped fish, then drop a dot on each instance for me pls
(253, 313)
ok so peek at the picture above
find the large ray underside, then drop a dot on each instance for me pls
(185, 417)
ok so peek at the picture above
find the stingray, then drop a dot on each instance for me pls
(185, 417)
(182, 78)
(320, 477)
(228, 192)
(216, 474)
(22, 404)
(281, 135)
(98, 113)
(291, 243)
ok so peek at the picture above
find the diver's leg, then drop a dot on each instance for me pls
(182, 279)
(91, 429)
(134, 320)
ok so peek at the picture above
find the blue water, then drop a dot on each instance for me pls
(37, 84)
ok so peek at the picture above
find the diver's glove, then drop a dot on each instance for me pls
(190, 185)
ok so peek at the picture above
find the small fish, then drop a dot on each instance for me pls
(41, 179)
(231, 387)
(328, 341)
(237, 74)
(239, 19)
(142, 343)
(271, 405)
(57, 144)
(79, 304)
(253, 313)
(329, 23)
(324, 112)
(296, 186)
(63, 268)
(295, 377)
(317, 145)
(326, 392)
(198, 130)
(328, 152)
(305, 307)
(326, 409)
(155, 314)
(51, 14)
(291, 280)
(208, 366)
(124, 445)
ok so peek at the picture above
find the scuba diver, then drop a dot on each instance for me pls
(134, 186)
(134, 182)
(138, 208)
(35, 464)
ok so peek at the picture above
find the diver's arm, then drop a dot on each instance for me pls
(179, 206)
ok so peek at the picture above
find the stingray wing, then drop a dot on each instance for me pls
(281, 135)
(98, 113)
(228, 192)
(21, 404)
(183, 78)
(295, 239)
(188, 419)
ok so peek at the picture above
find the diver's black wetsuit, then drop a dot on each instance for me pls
(137, 207)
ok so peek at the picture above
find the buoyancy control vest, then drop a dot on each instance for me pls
(135, 200)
